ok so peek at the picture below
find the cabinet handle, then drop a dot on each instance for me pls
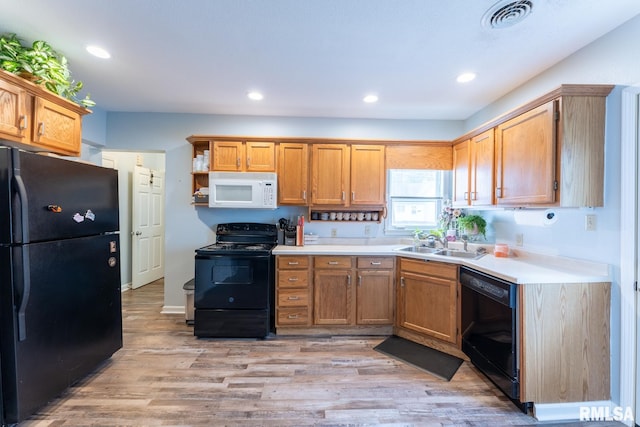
(474, 195)
(248, 161)
(343, 196)
(466, 195)
(41, 128)
(353, 196)
(499, 192)
(293, 279)
(304, 194)
(293, 262)
(238, 162)
(23, 121)
(402, 282)
(348, 280)
(293, 316)
(375, 263)
(359, 281)
(332, 262)
(294, 298)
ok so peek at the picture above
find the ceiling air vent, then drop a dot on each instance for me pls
(506, 13)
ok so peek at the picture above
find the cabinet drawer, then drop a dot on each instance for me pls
(293, 279)
(332, 262)
(293, 316)
(286, 261)
(431, 268)
(293, 298)
(375, 262)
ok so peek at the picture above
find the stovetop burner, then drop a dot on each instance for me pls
(242, 238)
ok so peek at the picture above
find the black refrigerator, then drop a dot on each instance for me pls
(60, 302)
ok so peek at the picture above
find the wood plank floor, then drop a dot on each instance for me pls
(165, 376)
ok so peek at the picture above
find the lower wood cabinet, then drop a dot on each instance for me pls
(427, 300)
(293, 291)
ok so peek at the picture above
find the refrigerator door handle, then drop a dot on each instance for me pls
(26, 291)
(20, 189)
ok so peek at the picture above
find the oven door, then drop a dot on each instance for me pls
(232, 281)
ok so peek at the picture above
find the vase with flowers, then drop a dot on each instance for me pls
(448, 220)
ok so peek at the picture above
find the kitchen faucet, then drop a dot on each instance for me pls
(443, 240)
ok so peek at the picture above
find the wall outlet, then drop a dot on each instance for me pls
(590, 222)
(519, 239)
(367, 230)
(334, 232)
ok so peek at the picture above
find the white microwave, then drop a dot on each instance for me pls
(249, 190)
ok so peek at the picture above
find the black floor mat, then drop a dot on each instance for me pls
(435, 362)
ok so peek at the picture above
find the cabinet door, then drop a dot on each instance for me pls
(56, 127)
(13, 113)
(293, 173)
(374, 297)
(482, 160)
(461, 174)
(228, 155)
(367, 175)
(260, 156)
(333, 297)
(526, 158)
(330, 174)
(428, 305)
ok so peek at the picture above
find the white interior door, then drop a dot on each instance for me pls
(147, 229)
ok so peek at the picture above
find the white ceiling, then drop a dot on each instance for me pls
(309, 57)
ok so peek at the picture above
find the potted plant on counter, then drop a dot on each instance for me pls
(472, 225)
(42, 65)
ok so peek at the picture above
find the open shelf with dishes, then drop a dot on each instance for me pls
(361, 214)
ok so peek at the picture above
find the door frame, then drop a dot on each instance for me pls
(629, 226)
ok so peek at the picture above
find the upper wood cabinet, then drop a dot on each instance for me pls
(293, 173)
(244, 156)
(461, 175)
(37, 119)
(330, 178)
(482, 179)
(367, 175)
(526, 158)
(345, 175)
(13, 117)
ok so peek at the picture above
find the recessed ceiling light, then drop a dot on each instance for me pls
(256, 96)
(466, 77)
(369, 99)
(98, 51)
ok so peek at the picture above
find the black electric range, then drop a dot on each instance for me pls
(234, 282)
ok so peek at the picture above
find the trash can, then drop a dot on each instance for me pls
(189, 288)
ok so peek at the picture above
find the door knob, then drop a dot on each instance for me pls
(138, 233)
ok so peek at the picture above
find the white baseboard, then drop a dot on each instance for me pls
(126, 287)
(173, 309)
(602, 410)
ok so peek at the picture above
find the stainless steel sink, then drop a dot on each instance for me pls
(458, 254)
(420, 249)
